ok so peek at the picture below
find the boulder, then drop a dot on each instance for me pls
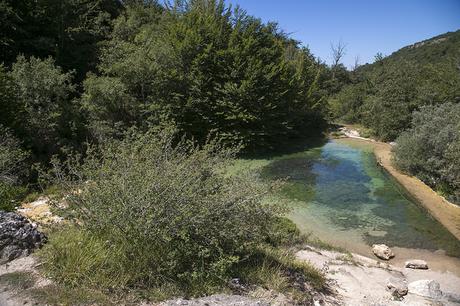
(416, 264)
(398, 287)
(18, 237)
(382, 251)
(426, 288)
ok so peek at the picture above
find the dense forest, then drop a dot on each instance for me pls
(133, 110)
(141, 106)
(412, 97)
(103, 67)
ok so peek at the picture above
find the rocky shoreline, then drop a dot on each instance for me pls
(360, 280)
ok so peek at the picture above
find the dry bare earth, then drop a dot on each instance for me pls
(18, 277)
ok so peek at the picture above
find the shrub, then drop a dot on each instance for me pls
(429, 149)
(12, 167)
(42, 111)
(164, 213)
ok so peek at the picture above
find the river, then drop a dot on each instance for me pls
(338, 193)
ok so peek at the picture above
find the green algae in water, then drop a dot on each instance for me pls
(348, 190)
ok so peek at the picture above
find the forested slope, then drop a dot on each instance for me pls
(412, 97)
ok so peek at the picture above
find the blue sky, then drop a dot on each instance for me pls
(366, 26)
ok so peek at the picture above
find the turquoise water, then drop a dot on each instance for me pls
(341, 192)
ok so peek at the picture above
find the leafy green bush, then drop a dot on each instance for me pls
(163, 220)
(43, 111)
(430, 148)
(170, 211)
(12, 168)
(10, 196)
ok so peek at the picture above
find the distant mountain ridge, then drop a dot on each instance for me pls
(440, 48)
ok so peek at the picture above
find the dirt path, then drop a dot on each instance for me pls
(446, 213)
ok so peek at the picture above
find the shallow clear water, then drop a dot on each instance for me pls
(340, 192)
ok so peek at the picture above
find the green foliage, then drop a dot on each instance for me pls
(280, 271)
(9, 107)
(11, 157)
(68, 30)
(59, 295)
(72, 250)
(43, 110)
(169, 211)
(385, 94)
(430, 148)
(12, 170)
(10, 196)
(160, 220)
(346, 105)
(206, 70)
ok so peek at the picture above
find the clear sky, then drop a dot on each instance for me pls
(365, 26)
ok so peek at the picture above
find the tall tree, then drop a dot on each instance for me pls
(207, 70)
(67, 30)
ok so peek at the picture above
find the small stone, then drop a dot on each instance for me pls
(397, 287)
(416, 264)
(427, 288)
(382, 251)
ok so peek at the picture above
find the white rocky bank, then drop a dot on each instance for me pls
(359, 280)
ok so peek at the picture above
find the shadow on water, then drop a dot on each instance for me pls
(346, 187)
(290, 146)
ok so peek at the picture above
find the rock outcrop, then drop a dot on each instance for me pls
(18, 237)
(382, 251)
(357, 280)
(426, 288)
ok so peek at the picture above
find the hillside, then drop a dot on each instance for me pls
(439, 49)
(442, 47)
(383, 95)
(412, 97)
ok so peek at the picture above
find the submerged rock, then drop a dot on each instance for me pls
(382, 251)
(426, 288)
(416, 264)
(18, 237)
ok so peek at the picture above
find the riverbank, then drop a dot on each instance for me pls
(352, 279)
(446, 213)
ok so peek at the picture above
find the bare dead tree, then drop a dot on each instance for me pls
(338, 52)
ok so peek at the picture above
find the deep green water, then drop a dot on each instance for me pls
(341, 192)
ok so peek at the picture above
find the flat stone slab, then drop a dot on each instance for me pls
(416, 264)
(426, 288)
